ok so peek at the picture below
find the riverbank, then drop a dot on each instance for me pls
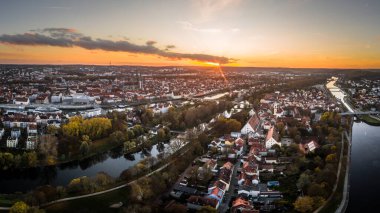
(335, 199)
(369, 119)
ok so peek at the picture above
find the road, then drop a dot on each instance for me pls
(227, 197)
(343, 205)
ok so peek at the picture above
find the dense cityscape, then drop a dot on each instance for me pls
(245, 140)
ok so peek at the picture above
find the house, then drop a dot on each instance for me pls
(270, 160)
(211, 165)
(31, 142)
(217, 194)
(225, 174)
(56, 98)
(15, 133)
(1, 133)
(42, 99)
(272, 138)
(236, 134)
(12, 142)
(21, 100)
(197, 202)
(311, 146)
(308, 146)
(250, 174)
(240, 205)
(251, 126)
(180, 191)
(32, 129)
(286, 141)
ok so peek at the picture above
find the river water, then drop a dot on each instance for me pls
(364, 183)
(365, 169)
(112, 162)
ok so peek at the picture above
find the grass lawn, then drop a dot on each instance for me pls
(370, 120)
(5, 202)
(98, 203)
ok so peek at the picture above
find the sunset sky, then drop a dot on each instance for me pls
(260, 33)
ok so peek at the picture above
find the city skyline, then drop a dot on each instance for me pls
(290, 33)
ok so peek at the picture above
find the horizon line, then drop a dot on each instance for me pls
(140, 65)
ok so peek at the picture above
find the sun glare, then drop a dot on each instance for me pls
(213, 64)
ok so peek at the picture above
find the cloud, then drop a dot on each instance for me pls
(170, 46)
(66, 37)
(189, 26)
(151, 43)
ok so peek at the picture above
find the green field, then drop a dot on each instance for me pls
(370, 120)
(99, 203)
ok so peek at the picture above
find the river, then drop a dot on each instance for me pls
(365, 169)
(112, 162)
(365, 162)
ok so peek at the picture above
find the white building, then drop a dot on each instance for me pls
(56, 98)
(91, 113)
(12, 142)
(252, 126)
(21, 100)
(272, 138)
(31, 142)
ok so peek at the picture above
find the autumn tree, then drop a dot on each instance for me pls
(95, 128)
(304, 204)
(19, 207)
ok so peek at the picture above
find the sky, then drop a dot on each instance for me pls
(257, 33)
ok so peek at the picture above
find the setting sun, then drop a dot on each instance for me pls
(213, 64)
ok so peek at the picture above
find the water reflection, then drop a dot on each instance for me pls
(112, 162)
(364, 169)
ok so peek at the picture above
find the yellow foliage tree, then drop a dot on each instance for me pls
(304, 204)
(19, 207)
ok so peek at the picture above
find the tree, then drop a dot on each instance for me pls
(19, 207)
(161, 135)
(331, 158)
(32, 159)
(95, 128)
(176, 144)
(203, 139)
(176, 208)
(304, 204)
(84, 148)
(51, 129)
(207, 209)
(303, 181)
(103, 179)
(318, 201)
(297, 138)
(137, 192)
(128, 145)
(117, 137)
(316, 190)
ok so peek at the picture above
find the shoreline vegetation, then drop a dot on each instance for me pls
(368, 119)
